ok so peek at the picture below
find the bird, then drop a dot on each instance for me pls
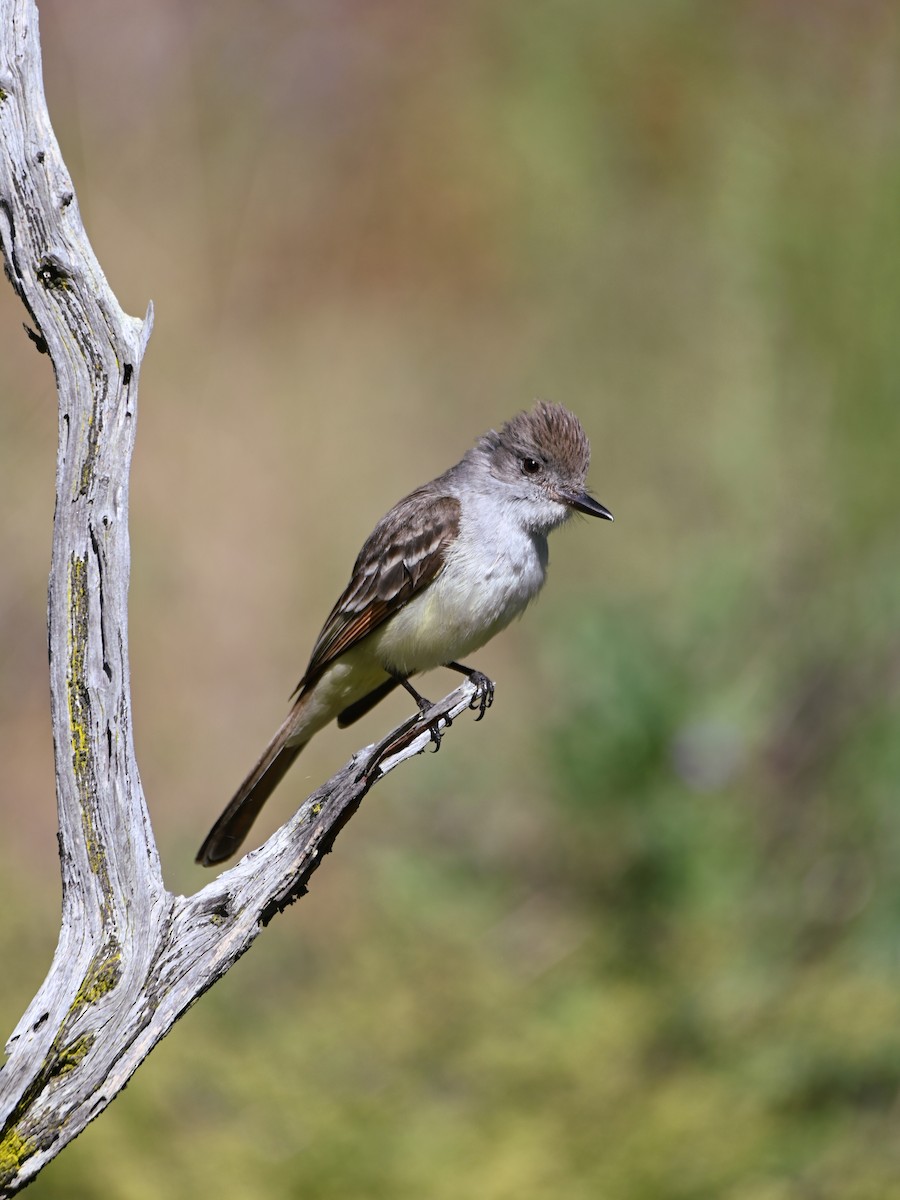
(447, 568)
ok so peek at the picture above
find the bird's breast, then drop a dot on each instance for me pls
(488, 579)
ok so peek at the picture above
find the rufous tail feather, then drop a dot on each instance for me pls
(234, 824)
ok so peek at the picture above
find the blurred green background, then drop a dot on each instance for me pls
(636, 935)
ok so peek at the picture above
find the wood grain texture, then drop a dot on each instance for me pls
(131, 957)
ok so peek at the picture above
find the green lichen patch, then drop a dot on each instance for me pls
(14, 1150)
(79, 704)
(52, 275)
(71, 1055)
(79, 701)
(94, 429)
(102, 976)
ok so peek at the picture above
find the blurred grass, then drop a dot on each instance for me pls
(643, 943)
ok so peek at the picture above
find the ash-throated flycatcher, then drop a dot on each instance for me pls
(440, 574)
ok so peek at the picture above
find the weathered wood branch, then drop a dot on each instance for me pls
(131, 957)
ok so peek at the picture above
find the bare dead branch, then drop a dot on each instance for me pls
(131, 957)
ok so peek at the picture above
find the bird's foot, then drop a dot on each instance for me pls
(484, 693)
(484, 688)
(434, 727)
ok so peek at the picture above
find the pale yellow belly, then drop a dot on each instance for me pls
(444, 624)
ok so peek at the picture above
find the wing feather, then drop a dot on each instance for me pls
(404, 553)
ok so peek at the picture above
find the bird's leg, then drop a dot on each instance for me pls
(484, 687)
(434, 728)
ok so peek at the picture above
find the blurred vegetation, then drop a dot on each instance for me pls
(637, 935)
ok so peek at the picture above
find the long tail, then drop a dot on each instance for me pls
(234, 824)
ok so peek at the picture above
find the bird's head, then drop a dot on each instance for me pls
(542, 457)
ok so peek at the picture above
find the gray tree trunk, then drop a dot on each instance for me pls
(132, 957)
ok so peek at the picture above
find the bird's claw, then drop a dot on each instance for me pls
(437, 733)
(484, 693)
(434, 727)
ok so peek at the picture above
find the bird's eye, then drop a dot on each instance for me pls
(530, 466)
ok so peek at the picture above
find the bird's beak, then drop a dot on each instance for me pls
(586, 504)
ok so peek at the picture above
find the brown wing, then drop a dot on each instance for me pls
(403, 554)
